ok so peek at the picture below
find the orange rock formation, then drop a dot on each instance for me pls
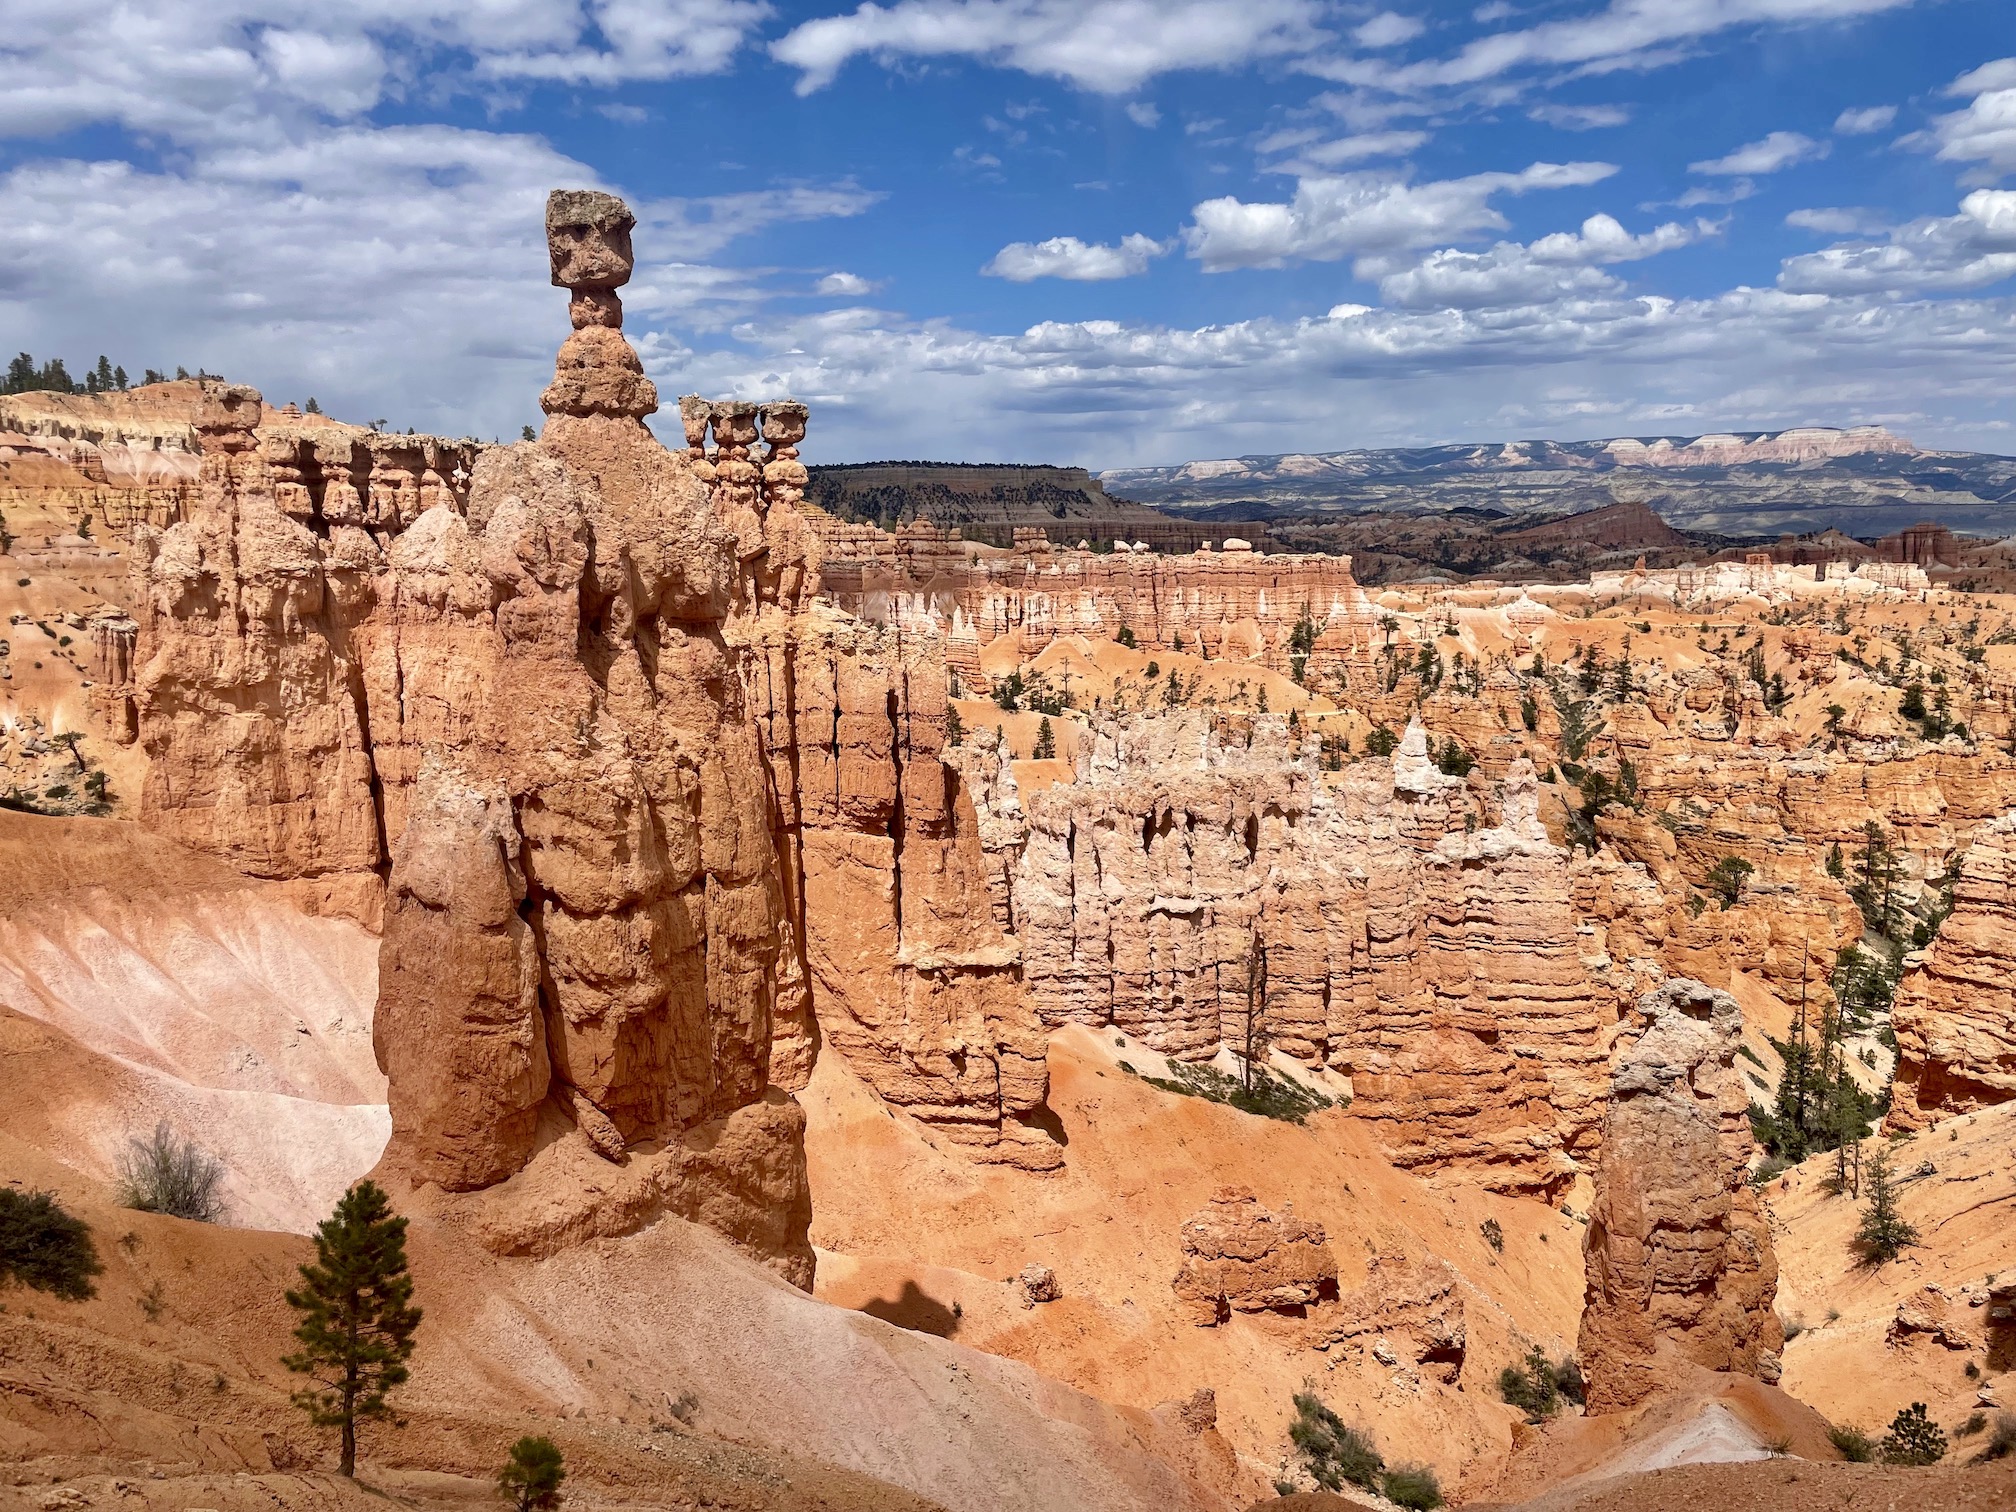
(1198, 892)
(1678, 1250)
(1239, 1257)
(1955, 1016)
(642, 826)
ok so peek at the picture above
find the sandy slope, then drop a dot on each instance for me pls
(1965, 1211)
(145, 983)
(1791, 1485)
(911, 1233)
(176, 1362)
(137, 980)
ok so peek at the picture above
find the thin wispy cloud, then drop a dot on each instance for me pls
(1779, 150)
(1111, 46)
(1580, 117)
(1865, 121)
(1387, 29)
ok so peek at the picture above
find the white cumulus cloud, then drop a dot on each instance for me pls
(1970, 250)
(1359, 213)
(1068, 257)
(250, 68)
(1985, 131)
(845, 285)
(1562, 265)
(1111, 393)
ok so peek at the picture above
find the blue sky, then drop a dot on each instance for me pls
(1112, 232)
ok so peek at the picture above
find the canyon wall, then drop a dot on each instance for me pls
(1199, 886)
(1955, 1015)
(912, 976)
(114, 462)
(1233, 603)
(1678, 1251)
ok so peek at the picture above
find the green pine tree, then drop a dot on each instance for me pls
(1883, 1234)
(1046, 741)
(1301, 641)
(357, 1321)
(531, 1477)
(1914, 1439)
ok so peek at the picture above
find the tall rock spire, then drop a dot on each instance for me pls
(597, 373)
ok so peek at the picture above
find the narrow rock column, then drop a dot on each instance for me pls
(1678, 1252)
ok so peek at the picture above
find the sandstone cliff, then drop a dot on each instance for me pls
(1200, 889)
(911, 975)
(1678, 1251)
(1955, 1016)
(1233, 603)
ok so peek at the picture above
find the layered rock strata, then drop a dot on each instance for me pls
(120, 462)
(1955, 1015)
(1678, 1251)
(247, 690)
(1195, 892)
(1233, 602)
(1239, 1257)
(912, 976)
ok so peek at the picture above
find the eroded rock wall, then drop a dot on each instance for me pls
(1955, 1016)
(911, 975)
(1233, 603)
(245, 689)
(1364, 920)
(1678, 1251)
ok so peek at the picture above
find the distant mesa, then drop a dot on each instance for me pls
(990, 502)
(1864, 479)
(1807, 444)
